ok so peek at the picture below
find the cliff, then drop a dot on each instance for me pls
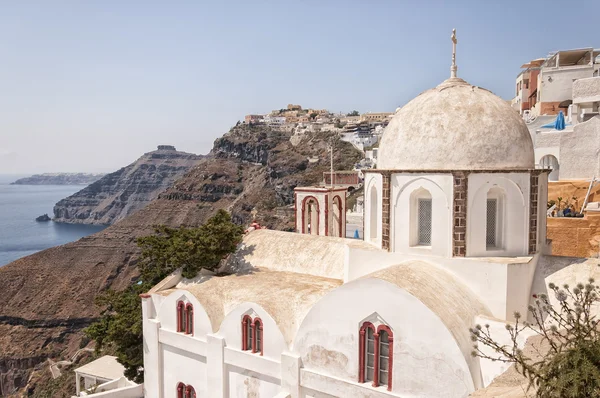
(46, 299)
(59, 179)
(119, 194)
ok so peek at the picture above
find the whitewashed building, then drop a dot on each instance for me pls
(453, 235)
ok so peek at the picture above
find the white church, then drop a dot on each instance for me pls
(455, 234)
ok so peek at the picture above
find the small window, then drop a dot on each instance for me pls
(491, 231)
(190, 392)
(189, 315)
(180, 390)
(181, 315)
(370, 355)
(424, 222)
(252, 334)
(384, 357)
(376, 355)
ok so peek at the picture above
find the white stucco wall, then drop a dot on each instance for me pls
(424, 350)
(579, 150)
(167, 313)
(403, 223)
(182, 366)
(487, 278)
(231, 330)
(243, 383)
(515, 224)
(561, 86)
(586, 90)
(373, 181)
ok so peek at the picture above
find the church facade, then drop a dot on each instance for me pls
(454, 234)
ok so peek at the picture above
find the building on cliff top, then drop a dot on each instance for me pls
(455, 234)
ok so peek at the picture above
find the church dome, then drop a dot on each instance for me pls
(456, 126)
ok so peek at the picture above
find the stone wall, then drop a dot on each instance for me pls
(576, 237)
(586, 90)
(579, 150)
(533, 213)
(459, 225)
(385, 242)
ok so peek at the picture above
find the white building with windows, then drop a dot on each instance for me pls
(454, 236)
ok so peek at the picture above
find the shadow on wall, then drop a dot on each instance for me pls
(237, 264)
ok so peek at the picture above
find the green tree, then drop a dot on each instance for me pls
(191, 249)
(566, 362)
(354, 113)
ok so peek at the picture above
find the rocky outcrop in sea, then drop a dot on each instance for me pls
(120, 194)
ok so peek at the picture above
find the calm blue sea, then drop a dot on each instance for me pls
(20, 234)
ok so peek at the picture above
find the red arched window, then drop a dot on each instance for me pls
(258, 336)
(247, 337)
(180, 390)
(190, 392)
(189, 314)
(376, 351)
(252, 334)
(181, 316)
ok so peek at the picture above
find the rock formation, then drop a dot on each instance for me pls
(46, 299)
(119, 194)
(59, 179)
(43, 218)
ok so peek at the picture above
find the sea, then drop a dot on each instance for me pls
(20, 234)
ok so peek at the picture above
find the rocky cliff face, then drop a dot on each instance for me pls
(46, 299)
(119, 194)
(59, 179)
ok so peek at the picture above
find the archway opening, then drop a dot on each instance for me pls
(337, 217)
(550, 162)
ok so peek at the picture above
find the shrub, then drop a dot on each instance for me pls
(569, 366)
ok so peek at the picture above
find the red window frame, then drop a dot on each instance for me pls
(180, 390)
(362, 349)
(251, 330)
(180, 316)
(190, 392)
(189, 319)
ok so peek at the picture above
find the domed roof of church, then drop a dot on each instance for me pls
(456, 126)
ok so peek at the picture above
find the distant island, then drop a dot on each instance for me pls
(59, 179)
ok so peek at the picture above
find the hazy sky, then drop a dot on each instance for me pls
(91, 85)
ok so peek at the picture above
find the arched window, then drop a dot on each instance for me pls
(375, 355)
(252, 334)
(189, 314)
(550, 162)
(190, 392)
(421, 218)
(247, 336)
(180, 390)
(494, 222)
(258, 336)
(310, 216)
(373, 214)
(181, 316)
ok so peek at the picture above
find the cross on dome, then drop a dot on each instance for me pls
(453, 68)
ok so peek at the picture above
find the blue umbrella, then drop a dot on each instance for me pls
(356, 236)
(559, 124)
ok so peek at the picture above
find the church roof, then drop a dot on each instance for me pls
(286, 296)
(456, 126)
(287, 251)
(454, 303)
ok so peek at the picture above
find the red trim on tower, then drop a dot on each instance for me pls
(304, 201)
(145, 295)
(326, 215)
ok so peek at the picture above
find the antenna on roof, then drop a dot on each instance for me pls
(453, 68)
